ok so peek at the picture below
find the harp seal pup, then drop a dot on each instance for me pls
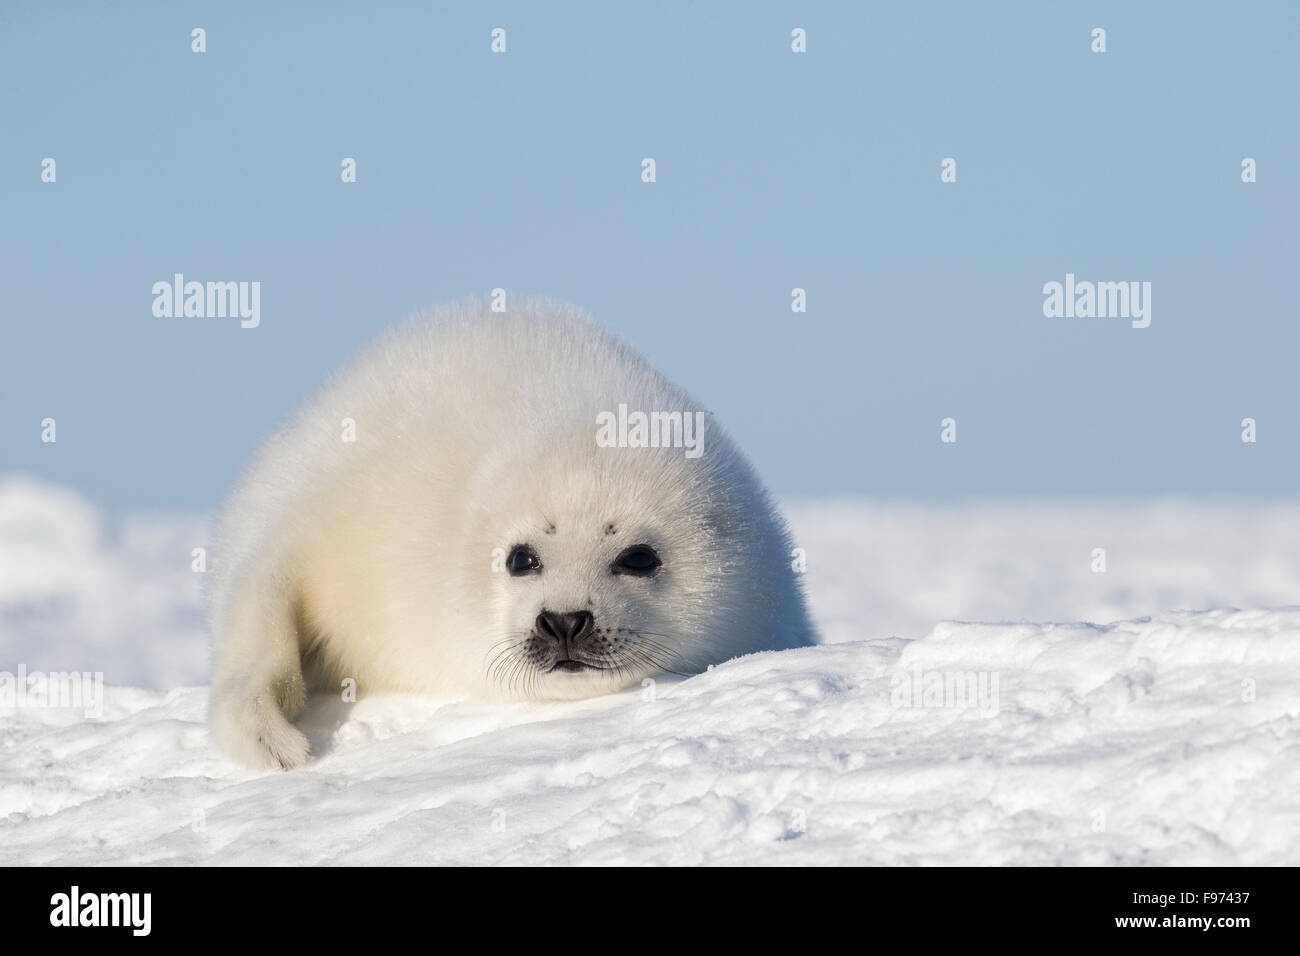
(459, 514)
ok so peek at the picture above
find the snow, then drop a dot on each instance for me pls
(1167, 737)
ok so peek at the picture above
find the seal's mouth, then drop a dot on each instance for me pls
(570, 666)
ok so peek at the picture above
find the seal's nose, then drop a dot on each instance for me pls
(564, 627)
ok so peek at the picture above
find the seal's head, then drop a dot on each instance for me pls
(614, 563)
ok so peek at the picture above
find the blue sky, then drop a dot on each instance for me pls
(774, 170)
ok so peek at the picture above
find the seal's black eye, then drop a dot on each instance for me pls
(638, 559)
(522, 559)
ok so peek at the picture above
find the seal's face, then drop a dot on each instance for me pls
(585, 607)
(606, 570)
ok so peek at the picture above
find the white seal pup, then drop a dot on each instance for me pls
(488, 506)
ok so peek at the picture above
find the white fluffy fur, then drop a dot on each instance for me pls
(476, 431)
